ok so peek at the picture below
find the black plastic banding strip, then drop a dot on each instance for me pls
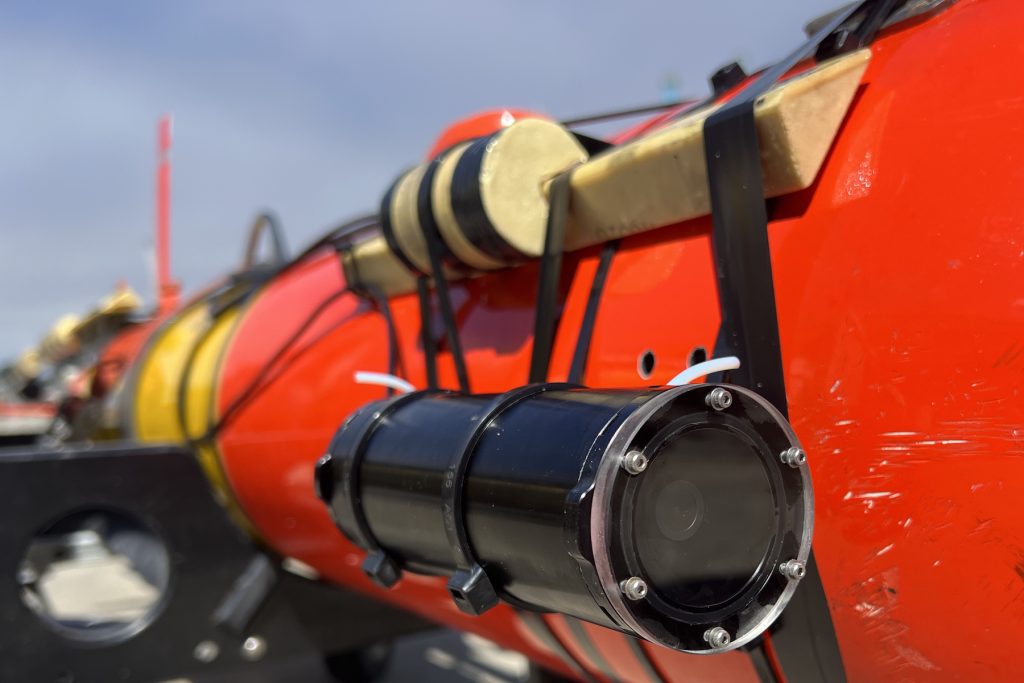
(388, 229)
(540, 629)
(586, 335)
(759, 660)
(473, 591)
(351, 491)
(546, 312)
(384, 306)
(425, 208)
(425, 212)
(805, 641)
(588, 647)
(427, 331)
(468, 205)
(645, 661)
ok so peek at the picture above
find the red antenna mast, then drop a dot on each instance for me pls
(167, 288)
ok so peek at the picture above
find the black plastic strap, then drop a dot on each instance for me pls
(848, 39)
(384, 306)
(645, 660)
(585, 642)
(435, 253)
(468, 204)
(470, 586)
(542, 632)
(378, 565)
(749, 325)
(387, 228)
(427, 331)
(586, 334)
(547, 309)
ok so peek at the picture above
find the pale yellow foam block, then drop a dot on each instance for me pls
(661, 179)
(372, 263)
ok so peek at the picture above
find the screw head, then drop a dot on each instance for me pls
(206, 651)
(717, 637)
(634, 462)
(719, 398)
(634, 588)
(793, 456)
(793, 569)
(254, 648)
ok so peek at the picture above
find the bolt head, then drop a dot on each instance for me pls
(634, 588)
(719, 398)
(254, 648)
(717, 637)
(634, 462)
(793, 456)
(793, 569)
(206, 651)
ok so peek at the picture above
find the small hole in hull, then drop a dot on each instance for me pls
(645, 364)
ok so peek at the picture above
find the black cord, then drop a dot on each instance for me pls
(381, 301)
(250, 390)
(546, 314)
(427, 331)
(586, 333)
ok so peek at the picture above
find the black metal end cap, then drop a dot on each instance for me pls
(473, 591)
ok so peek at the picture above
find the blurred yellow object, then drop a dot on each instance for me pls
(60, 342)
(174, 399)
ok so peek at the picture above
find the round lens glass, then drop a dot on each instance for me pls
(705, 518)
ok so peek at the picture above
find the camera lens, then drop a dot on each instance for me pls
(705, 517)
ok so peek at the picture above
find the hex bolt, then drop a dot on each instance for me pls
(634, 462)
(793, 456)
(634, 588)
(793, 569)
(206, 651)
(719, 398)
(717, 637)
(254, 648)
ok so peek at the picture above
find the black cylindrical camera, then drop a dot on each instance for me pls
(680, 515)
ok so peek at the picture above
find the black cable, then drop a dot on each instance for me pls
(623, 113)
(427, 332)
(381, 301)
(266, 222)
(547, 313)
(246, 394)
(586, 333)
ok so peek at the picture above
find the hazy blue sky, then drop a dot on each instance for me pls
(308, 108)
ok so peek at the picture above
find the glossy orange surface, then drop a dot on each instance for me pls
(900, 284)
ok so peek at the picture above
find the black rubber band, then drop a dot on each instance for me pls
(470, 586)
(425, 210)
(468, 206)
(645, 659)
(749, 320)
(547, 311)
(378, 565)
(586, 334)
(427, 331)
(585, 642)
(542, 632)
(388, 229)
